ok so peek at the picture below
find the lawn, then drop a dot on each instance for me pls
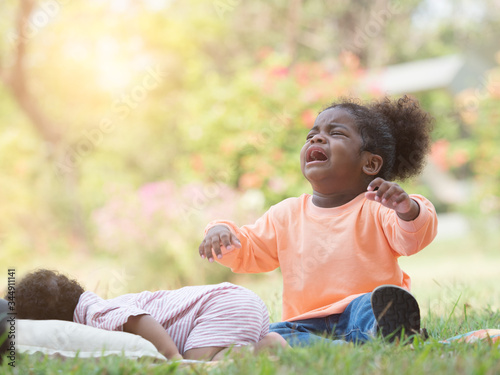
(455, 281)
(376, 357)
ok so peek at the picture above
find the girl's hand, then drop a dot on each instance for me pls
(391, 195)
(218, 236)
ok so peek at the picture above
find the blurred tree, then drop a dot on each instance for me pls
(17, 81)
(376, 31)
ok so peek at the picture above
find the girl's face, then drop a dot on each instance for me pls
(331, 159)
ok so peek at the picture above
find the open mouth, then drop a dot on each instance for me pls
(315, 154)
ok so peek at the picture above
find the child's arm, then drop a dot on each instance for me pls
(217, 236)
(392, 196)
(147, 327)
(250, 248)
(409, 222)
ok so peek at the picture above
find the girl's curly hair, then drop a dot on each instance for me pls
(46, 294)
(397, 130)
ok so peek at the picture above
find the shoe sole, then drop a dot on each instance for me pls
(395, 309)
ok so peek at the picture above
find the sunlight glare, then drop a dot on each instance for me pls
(113, 72)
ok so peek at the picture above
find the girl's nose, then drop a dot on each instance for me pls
(318, 138)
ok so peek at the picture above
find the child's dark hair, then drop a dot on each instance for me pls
(397, 130)
(46, 294)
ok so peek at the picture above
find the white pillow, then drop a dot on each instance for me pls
(69, 339)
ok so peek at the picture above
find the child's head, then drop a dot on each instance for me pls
(398, 131)
(45, 294)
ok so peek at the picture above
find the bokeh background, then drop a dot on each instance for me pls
(126, 126)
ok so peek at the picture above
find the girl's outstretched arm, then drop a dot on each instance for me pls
(409, 221)
(147, 327)
(217, 237)
(392, 196)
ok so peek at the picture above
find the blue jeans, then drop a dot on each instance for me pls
(356, 324)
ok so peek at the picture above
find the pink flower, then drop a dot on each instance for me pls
(308, 117)
(439, 153)
(279, 72)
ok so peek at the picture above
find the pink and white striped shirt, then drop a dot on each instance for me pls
(195, 316)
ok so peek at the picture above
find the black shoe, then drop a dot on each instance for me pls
(395, 309)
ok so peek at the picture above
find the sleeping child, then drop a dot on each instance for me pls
(194, 322)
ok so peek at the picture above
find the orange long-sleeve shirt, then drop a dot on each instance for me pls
(329, 256)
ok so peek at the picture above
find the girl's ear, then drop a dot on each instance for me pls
(373, 164)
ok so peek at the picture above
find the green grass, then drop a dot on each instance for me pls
(455, 282)
(376, 357)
